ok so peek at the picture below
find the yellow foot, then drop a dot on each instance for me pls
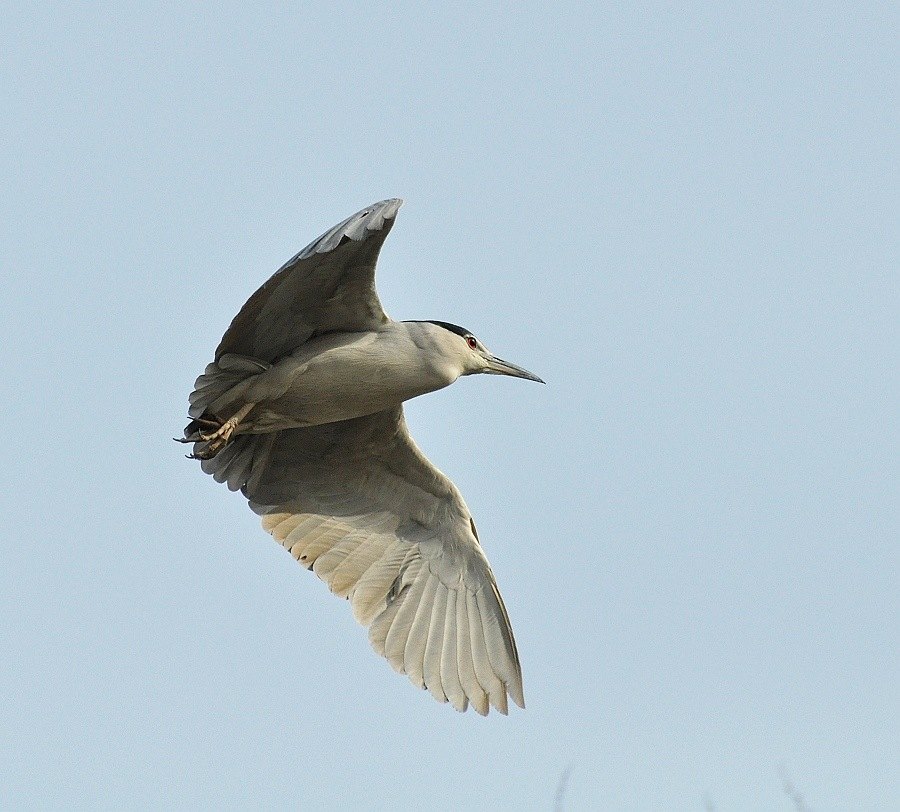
(215, 440)
(218, 439)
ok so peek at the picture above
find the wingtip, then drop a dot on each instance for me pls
(371, 219)
(355, 228)
(518, 696)
(389, 208)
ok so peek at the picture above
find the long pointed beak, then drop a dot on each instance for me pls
(497, 366)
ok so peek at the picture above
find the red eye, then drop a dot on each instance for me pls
(472, 342)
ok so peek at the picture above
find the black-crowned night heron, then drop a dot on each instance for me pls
(302, 411)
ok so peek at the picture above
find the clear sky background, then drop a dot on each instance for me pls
(682, 216)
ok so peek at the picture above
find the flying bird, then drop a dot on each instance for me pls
(302, 411)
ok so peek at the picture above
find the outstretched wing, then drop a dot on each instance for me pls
(328, 286)
(359, 504)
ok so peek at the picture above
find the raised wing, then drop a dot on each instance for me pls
(359, 504)
(328, 286)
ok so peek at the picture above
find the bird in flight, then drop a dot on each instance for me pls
(302, 411)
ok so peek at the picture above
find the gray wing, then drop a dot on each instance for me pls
(328, 286)
(359, 504)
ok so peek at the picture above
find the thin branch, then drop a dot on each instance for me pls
(561, 790)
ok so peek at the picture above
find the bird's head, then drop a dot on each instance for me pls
(471, 357)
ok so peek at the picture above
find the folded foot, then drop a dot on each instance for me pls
(216, 439)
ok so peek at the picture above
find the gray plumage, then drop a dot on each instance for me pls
(302, 411)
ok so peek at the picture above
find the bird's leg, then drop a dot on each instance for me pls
(224, 429)
(209, 422)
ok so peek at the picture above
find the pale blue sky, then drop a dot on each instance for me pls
(683, 217)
